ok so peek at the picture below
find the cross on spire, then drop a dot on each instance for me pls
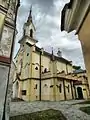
(30, 14)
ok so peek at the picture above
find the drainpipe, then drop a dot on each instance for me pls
(40, 77)
(75, 92)
(41, 52)
(66, 68)
(71, 90)
(4, 109)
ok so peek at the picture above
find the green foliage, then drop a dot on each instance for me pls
(86, 109)
(42, 115)
(77, 67)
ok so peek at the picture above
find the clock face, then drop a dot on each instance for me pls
(6, 42)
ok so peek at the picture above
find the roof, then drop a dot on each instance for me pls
(67, 6)
(27, 37)
(17, 53)
(56, 57)
(79, 71)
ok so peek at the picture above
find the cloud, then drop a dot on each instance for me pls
(47, 20)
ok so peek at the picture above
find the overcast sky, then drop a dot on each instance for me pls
(47, 19)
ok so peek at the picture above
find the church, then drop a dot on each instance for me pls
(39, 75)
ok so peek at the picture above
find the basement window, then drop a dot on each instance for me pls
(23, 92)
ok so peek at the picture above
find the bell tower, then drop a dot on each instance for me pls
(29, 28)
(28, 31)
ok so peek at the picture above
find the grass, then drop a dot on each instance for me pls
(85, 102)
(85, 109)
(42, 115)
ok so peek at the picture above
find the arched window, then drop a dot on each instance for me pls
(36, 68)
(31, 33)
(45, 70)
(27, 54)
(36, 86)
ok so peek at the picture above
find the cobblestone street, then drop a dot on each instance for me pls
(68, 108)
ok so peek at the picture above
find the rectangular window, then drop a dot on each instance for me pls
(68, 88)
(23, 92)
(36, 86)
(60, 88)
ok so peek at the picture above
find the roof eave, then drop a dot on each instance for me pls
(67, 6)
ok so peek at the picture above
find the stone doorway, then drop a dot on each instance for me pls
(80, 93)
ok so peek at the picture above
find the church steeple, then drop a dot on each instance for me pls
(52, 56)
(30, 15)
(29, 28)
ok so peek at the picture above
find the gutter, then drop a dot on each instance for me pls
(40, 77)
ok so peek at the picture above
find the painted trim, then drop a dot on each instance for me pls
(64, 89)
(4, 59)
(47, 78)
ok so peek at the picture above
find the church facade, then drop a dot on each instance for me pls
(40, 75)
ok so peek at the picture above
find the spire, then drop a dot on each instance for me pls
(52, 56)
(30, 14)
(52, 50)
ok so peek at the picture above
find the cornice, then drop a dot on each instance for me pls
(3, 9)
(73, 15)
(83, 19)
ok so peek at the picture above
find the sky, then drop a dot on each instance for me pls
(47, 20)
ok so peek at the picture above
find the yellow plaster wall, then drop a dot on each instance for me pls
(84, 36)
(61, 66)
(68, 94)
(85, 92)
(60, 96)
(19, 89)
(35, 63)
(36, 91)
(2, 17)
(45, 62)
(46, 89)
(25, 86)
(70, 69)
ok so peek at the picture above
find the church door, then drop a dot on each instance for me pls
(80, 93)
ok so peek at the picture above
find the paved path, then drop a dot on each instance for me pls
(70, 111)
